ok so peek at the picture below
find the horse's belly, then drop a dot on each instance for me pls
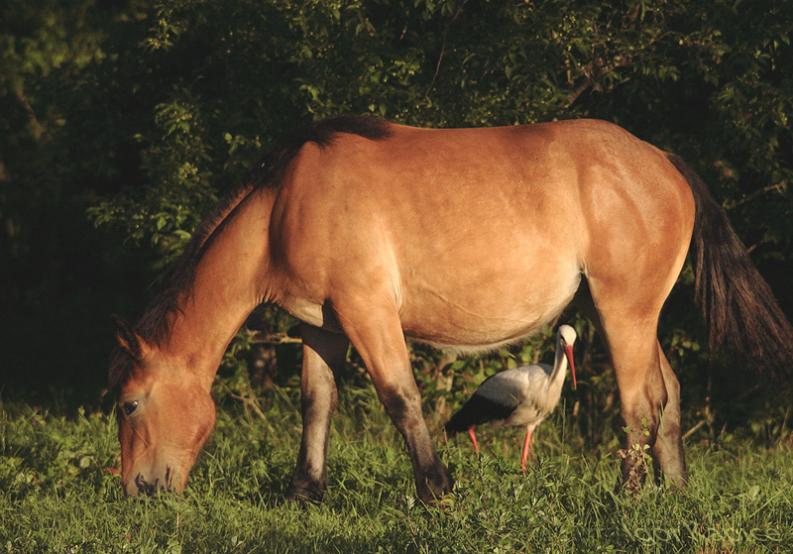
(483, 317)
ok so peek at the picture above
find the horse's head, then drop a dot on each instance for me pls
(164, 415)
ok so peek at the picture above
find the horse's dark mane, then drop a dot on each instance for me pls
(154, 325)
(267, 171)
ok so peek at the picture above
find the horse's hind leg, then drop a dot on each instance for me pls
(642, 392)
(629, 304)
(374, 329)
(668, 451)
(323, 356)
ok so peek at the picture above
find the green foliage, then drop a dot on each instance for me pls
(134, 116)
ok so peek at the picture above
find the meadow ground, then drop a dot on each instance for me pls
(55, 496)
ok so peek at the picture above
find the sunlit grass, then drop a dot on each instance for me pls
(55, 496)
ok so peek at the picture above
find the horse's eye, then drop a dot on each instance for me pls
(129, 407)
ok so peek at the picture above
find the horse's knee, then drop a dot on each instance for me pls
(402, 405)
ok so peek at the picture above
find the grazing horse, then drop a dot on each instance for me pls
(370, 232)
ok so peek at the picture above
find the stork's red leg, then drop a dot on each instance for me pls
(526, 449)
(472, 435)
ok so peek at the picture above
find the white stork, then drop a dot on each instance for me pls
(521, 396)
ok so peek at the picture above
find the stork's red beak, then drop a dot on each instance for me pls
(568, 351)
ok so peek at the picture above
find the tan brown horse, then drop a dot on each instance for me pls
(371, 232)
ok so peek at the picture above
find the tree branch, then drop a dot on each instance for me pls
(443, 49)
(275, 338)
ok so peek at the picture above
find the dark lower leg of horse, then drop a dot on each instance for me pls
(634, 351)
(641, 408)
(668, 456)
(636, 457)
(320, 352)
(372, 323)
(309, 479)
(432, 477)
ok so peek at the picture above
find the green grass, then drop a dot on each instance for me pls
(55, 496)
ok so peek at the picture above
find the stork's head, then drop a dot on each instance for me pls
(566, 336)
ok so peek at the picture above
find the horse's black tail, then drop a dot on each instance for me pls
(739, 308)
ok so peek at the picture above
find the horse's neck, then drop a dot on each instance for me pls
(228, 285)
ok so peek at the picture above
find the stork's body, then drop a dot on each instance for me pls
(523, 396)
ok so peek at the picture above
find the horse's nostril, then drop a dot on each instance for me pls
(158, 485)
(144, 487)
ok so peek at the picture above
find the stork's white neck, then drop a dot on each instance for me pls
(559, 366)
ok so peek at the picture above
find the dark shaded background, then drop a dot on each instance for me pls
(122, 121)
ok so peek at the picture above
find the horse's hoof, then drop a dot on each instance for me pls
(306, 492)
(434, 485)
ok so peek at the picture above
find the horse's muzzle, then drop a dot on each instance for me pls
(140, 485)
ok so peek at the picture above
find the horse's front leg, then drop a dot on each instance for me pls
(373, 326)
(324, 354)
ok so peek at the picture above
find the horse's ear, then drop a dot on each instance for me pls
(126, 337)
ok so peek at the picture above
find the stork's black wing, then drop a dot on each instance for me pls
(480, 410)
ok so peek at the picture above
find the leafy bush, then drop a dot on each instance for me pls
(135, 116)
